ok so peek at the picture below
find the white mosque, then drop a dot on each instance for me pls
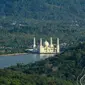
(46, 48)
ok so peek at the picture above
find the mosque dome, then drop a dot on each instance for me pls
(46, 43)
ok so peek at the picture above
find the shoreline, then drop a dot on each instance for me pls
(14, 54)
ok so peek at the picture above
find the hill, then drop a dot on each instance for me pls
(63, 69)
(21, 20)
(66, 66)
(44, 10)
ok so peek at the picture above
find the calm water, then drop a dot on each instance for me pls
(6, 61)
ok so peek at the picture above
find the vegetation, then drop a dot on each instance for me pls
(63, 69)
(21, 20)
(8, 77)
(44, 10)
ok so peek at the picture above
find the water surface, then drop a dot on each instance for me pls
(6, 61)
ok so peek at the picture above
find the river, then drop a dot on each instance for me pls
(6, 61)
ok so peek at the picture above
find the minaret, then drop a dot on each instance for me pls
(40, 41)
(41, 49)
(51, 42)
(58, 46)
(34, 43)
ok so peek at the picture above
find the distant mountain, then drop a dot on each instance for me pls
(44, 9)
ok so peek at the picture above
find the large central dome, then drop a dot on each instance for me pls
(46, 43)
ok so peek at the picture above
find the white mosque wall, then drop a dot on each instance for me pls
(46, 47)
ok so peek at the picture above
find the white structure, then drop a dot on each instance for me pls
(34, 43)
(58, 47)
(46, 47)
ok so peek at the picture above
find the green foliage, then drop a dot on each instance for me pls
(66, 66)
(21, 20)
(61, 69)
(46, 9)
(8, 77)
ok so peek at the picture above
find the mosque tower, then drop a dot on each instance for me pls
(40, 42)
(51, 42)
(41, 48)
(34, 43)
(58, 47)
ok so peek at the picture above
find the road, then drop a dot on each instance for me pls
(81, 80)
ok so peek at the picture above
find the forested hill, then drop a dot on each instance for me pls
(66, 66)
(44, 9)
(21, 20)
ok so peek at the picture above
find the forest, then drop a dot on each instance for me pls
(21, 20)
(63, 69)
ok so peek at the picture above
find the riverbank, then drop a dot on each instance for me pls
(14, 54)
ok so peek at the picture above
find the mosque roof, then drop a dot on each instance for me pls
(46, 43)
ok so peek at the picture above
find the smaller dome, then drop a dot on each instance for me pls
(46, 43)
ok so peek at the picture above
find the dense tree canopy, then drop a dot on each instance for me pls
(66, 66)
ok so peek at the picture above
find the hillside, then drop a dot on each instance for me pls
(21, 20)
(44, 10)
(66, 66)
(8, 77)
